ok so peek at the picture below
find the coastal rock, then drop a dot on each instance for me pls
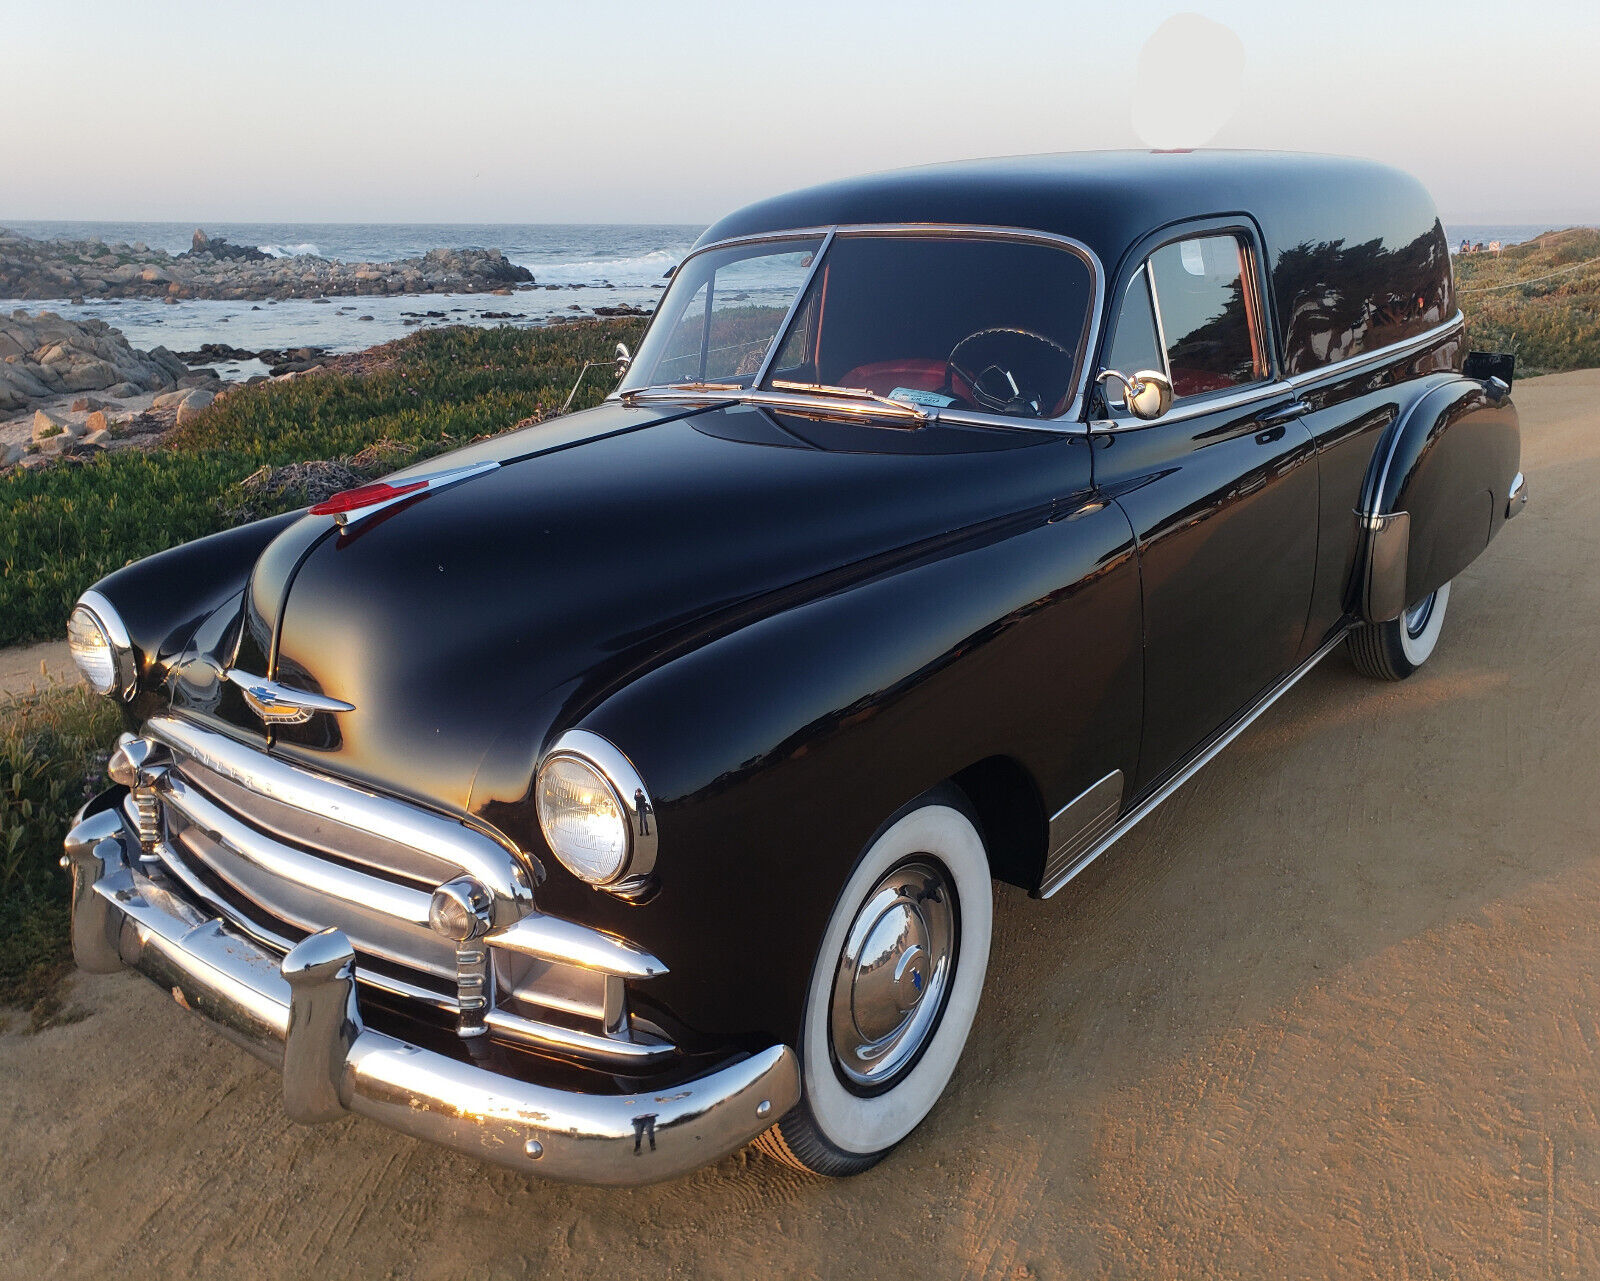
(95, 425)
(47, 356)
(47, 426)
(218, 248)
(87, 405)
(213, 268)
(193, 403)
(169, 400)
(10, 454)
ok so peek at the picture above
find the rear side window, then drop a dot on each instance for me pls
(1190, 313)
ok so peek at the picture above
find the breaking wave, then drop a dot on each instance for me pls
(647, 269)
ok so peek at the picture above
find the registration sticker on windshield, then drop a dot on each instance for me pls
(915, 396)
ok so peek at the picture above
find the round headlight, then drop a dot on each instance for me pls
(596, 815)
(583, 819)
(92, 650)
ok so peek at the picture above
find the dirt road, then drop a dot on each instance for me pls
(1332, 1012)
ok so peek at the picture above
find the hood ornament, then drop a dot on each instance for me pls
(282, 704)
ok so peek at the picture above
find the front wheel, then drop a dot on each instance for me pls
(893, 991)
(1392, 651)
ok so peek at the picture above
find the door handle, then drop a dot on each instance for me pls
(1280, 414)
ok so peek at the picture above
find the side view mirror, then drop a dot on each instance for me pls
(1147, 393)
(624, 358)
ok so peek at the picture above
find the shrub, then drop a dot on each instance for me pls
(63, 527)
(53, 749)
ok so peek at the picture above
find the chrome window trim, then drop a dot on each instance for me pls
(1068, 422)
(1352, 364)
(1284, 386)
(1251, 266)
(1155, 310)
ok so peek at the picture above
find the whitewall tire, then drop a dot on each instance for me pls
(1392, 651)
(893, 990)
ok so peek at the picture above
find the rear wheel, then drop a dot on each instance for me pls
(893, 991)
(1392, 651)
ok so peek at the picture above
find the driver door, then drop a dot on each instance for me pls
(1221, 490)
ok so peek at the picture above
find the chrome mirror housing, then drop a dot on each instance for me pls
(624, 358)
(1147, 393)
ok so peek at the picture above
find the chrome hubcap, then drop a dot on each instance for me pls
(893, 975)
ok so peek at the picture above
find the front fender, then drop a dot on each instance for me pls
(1436, 492)
(774, 753)
(164, 597)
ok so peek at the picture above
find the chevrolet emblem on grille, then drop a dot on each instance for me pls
(280, 704)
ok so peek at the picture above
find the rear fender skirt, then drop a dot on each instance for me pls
(1435, 494)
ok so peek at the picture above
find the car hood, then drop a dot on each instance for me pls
(604, 543)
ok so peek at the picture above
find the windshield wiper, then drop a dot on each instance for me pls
(665, 391)
(918, 412)
(783, 395)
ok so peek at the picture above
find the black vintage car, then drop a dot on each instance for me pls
(614, 792)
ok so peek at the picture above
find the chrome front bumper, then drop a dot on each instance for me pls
(300, 1016)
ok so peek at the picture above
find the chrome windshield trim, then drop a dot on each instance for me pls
(1068, 421)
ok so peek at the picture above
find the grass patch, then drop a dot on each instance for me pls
(64, 527)
(1540, 300)
(53, 749)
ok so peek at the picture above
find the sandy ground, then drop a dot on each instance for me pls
(26, 668)
(1332, 1012)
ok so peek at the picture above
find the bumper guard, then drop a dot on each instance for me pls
(300, 1016)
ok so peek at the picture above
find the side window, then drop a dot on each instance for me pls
(1207, 316)
(1135, 343)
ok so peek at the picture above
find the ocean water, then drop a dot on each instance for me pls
(1510, 233)
(577, 267)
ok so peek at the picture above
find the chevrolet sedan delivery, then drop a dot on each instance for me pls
(614, 792)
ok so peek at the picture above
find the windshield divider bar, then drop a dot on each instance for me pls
(794, 307)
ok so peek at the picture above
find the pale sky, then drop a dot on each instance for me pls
(624, 111)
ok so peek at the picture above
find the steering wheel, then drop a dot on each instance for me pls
(995, 385)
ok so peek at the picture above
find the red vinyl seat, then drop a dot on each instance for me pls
(883, 376)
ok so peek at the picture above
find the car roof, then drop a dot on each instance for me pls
(1109, 200)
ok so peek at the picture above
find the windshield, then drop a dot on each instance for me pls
(721, 313)
(939, 321)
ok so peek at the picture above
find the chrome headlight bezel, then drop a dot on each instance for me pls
(627, 792)
(102, 615)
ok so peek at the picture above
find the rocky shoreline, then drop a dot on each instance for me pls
(215, 269)
(87, 388)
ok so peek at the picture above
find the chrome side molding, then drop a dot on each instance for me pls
(1198, 761)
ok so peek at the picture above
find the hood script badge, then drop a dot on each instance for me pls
(280, 704)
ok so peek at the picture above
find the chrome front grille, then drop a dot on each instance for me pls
(280, 852)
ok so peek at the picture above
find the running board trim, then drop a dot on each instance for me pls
(1196, 763)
